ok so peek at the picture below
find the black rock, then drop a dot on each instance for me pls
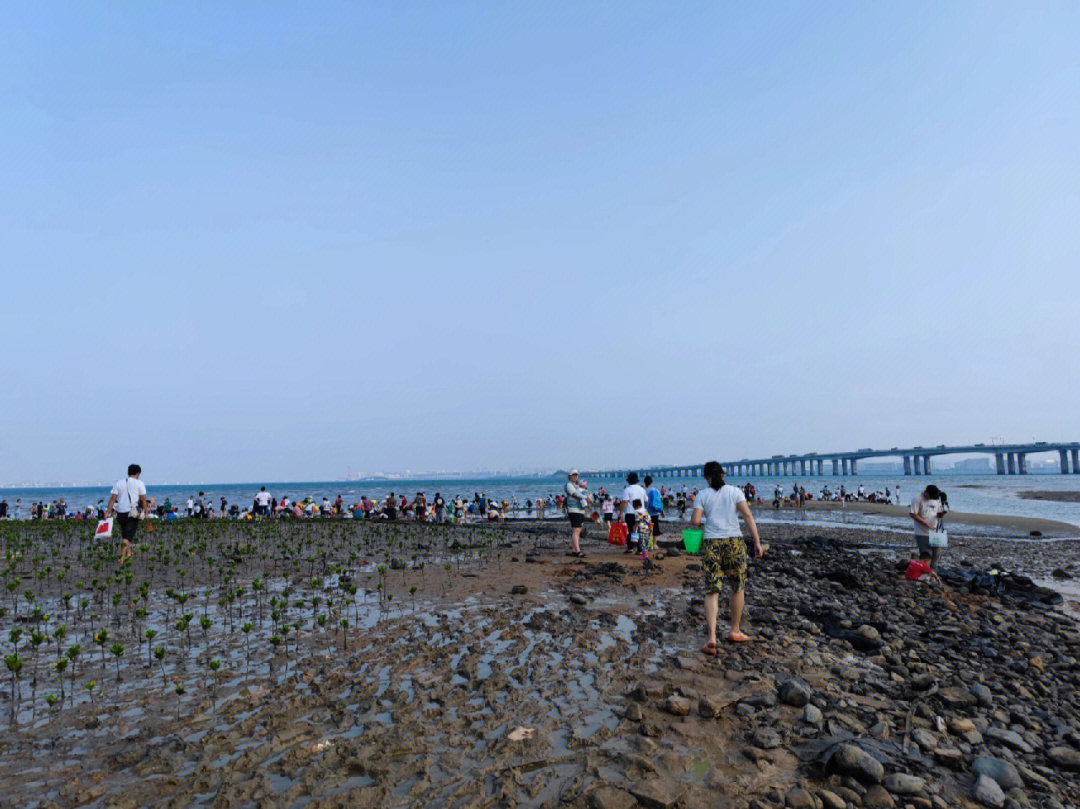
(795, 692)
(866, 639)
(849, 759)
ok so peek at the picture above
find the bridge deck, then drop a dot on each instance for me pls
(1011, 460)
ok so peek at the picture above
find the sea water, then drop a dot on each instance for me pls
(979, 494)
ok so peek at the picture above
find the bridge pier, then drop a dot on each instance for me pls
(854, 466)
(999, 458)
(834, 467)
(1012, 463)
(907, 464)
(926, 464)
(1075, 461)
(1064, 456)
(917, 460)
(1021, 463)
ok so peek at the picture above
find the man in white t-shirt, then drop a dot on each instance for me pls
(633, 491)
(262, 502)
(127, 500)
(925, 510)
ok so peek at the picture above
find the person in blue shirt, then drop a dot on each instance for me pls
(654, 504)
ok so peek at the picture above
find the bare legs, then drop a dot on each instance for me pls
(712, 607)
(738, 599)
(575, 540)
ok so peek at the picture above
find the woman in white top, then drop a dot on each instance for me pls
(723, 551)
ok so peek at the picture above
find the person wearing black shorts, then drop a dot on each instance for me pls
(633, 491)
(576, 499)
(127, 500)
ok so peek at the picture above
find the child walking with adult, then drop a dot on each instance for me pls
(723, 550)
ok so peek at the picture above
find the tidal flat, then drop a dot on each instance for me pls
(336, 663)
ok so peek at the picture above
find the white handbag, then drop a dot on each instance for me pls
(939, 538)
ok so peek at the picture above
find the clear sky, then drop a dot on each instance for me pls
(282, 241)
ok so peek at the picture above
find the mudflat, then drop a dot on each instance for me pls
(1060, 497)
(482, 666)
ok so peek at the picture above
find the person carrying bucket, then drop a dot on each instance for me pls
(723, 550)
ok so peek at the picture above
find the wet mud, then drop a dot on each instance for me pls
(483, 667)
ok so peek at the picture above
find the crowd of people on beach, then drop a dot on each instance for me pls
(419, 507)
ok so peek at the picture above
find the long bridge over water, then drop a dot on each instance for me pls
(1011, 459)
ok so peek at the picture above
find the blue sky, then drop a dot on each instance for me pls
(277, 241)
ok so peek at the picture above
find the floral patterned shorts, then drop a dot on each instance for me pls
(724, 558)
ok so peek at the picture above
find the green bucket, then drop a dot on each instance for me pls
(691, 539)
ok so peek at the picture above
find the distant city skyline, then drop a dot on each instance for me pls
(250, 242)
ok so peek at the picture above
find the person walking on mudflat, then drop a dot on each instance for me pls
(576, 499)
(723, 550)
(128, 500)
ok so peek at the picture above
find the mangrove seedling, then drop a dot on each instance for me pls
(117, 650)
(14, 665)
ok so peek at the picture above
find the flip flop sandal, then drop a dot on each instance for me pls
(738, 637)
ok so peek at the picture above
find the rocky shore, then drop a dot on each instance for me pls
(551, 681)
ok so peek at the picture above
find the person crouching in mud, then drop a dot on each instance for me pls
(723, 551)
